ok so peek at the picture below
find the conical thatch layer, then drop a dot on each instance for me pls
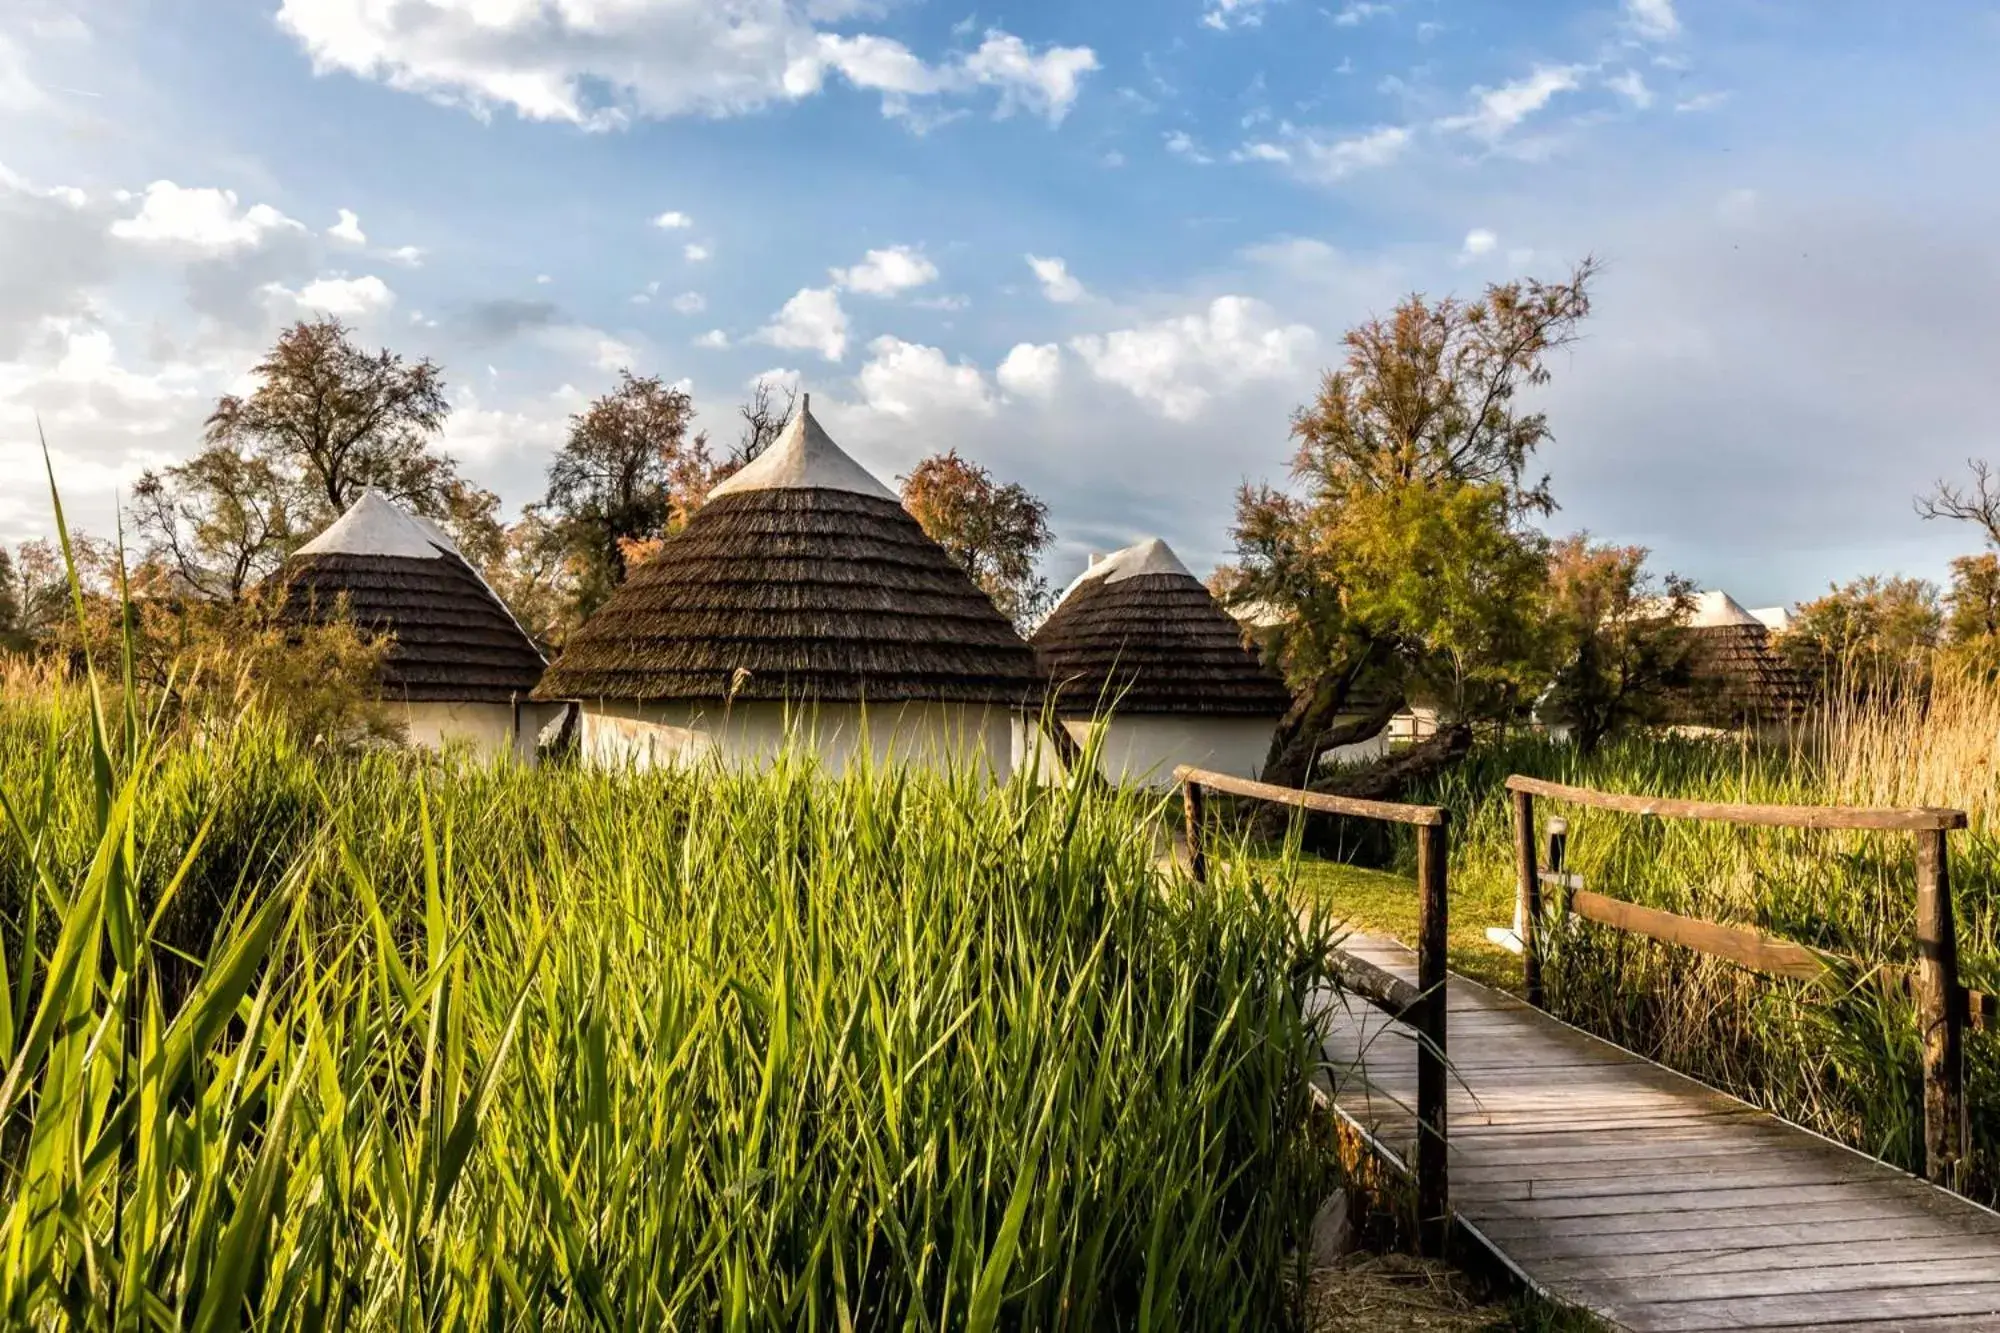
(454, 641)
(797, 593)
(1736, 678)
(1152, 643)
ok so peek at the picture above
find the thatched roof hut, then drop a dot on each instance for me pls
(1737, 678)
(1139, 636)
(460, 664)
(801, 582)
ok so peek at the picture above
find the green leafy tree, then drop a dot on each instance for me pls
(1404, 555)
(1870, 635)
(1617, 636)
(11, 637)
(993, 531)
(219, 522)
(629, 474)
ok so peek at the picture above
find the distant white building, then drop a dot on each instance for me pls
(460, 668)
(1776, 619)
(1139, 655)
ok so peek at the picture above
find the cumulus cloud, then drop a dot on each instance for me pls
(1496, 111)
(1223, 15)
(695, 254)
(1174, 366)
(1631, 85)
(887, 272)
(1057, 283)
(1358, 12)
(1181, 144)
(673, 220)
(690, 303)
(347, 230)
(909, 380)
(1653, 18)
(1479, 242)
(344, 298)
(409, 256)
(200, 220)
(714, 339)
(811, 321)
(1314, 156)
(1031, 370)
(601, 65)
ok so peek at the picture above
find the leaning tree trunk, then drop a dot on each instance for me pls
(1310, 728)
(1390, 778)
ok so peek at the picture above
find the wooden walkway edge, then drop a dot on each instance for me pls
(1610, 1183)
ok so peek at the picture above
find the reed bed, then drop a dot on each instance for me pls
(298, 1039)
(1840, 1056)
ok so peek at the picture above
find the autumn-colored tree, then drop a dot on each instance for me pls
(1616, 633)
(993, 531)
(1974, 600)
(1871, 634)
(629, 473)
(1404, 556)
(333, 419)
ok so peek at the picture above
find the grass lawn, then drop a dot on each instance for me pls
(1386, 904)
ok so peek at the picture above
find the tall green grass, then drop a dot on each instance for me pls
(1841, 1056)
(295, 1039)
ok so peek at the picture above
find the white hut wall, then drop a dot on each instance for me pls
(1143, 749)
(620, 734)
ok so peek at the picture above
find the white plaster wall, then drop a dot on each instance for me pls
(487, 729)
(616, 734)
(1143, 749)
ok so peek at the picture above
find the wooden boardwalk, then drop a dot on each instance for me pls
(1656, 1202)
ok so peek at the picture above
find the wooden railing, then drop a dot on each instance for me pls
(1421, 1006)
(1943, 1005)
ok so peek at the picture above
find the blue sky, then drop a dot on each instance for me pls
(1104, 249)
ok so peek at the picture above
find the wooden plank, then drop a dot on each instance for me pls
(1862, 1282)
(1940, 1015)
(1387, 992)
(1746, 948)
(1323, 802)
(1962, 1299)
(1767, 816)
(1856, 1248)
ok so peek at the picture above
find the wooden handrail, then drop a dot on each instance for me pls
(1768, 816)
(1421, 1006)
(1944, 1006)
(1391, 812)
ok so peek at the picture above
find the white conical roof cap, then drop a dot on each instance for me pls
(804, 457)
(1717, 608)
(375, 525)
(1151, 556)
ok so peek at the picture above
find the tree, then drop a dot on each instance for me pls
(1405, 557)
(763, 422)
(219, 522)
(1974, 600)
(11, 637)
(993, 532)
(1979, 506)
(1616, 633)
(629, 473)
(1872, 634)
(333, 420)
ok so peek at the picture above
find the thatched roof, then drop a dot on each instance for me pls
(1137, 631)
(398, 574)
(1736, 675)
(801, 578)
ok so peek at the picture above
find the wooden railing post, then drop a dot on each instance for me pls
(1433, 937)
(1940, 1014)
(1197, 859)
(1529, 901)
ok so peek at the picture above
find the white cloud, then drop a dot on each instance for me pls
(811, 321)
(673, 220)
(1174, 366)
(778, 378)
(714, 339)
(1653, 18)
(412, 256)
(1057, 284)
(1313, 157)
(1478, 242)
(690, 303)
(543, 279)
(345, 298)
(1498, 110)
(1701, 102)
(886, 272)
(695, 254)
(908, 379)
(1358, 12)
(1222, 15)
(1181, 144)
(1031, 370)
(602, 63)
(200, 220)
(1631, 86)
(348, 229)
